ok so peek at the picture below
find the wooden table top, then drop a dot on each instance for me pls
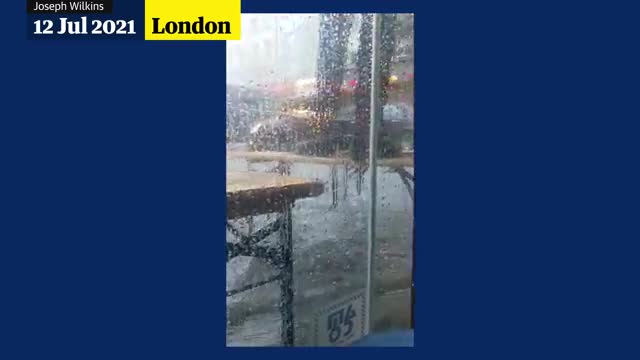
(264, 156)
(254, 193)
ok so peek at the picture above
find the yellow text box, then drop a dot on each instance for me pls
(192, 20)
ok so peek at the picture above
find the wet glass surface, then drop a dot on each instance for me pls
(297, 105)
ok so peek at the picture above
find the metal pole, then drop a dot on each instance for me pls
(376, 115)
(286, 276)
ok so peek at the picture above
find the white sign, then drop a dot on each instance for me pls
(341, 323)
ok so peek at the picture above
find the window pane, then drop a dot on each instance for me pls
(297, 108)
(395, 184)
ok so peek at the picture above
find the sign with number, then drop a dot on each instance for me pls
(342, 322)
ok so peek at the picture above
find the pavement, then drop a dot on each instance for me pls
(330, 260)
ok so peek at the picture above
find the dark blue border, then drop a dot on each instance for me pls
(527, 187)
(338, 6)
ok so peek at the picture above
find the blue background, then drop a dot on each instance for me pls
(527, 203)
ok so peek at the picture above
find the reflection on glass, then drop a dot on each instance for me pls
(298, 97)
